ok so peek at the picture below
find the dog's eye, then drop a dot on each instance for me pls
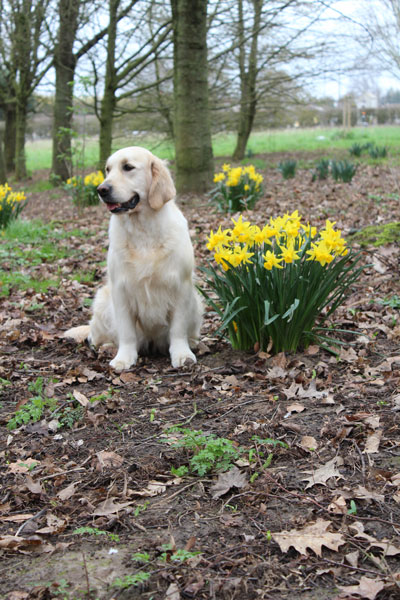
(128, 167)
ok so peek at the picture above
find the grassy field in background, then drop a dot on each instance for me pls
(261, 142)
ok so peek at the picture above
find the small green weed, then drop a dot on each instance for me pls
(287, 168)
(393, 302)
(33, 410)
(94, 531)
(123, 583)
(140, 508)
(209, 452)
(141, 557)
(176, 554)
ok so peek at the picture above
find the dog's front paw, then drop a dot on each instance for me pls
(181, 357)
(124, 360)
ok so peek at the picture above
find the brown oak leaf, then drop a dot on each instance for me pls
(367, 588)
(313, 537)
(325, 472)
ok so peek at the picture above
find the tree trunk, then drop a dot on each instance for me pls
(108, 102)
(20, 132)
(65, 63)
(248, 80)
(10, 137)
(3, 176)
(193, 150)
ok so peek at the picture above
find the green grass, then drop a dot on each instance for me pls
(261, 142)
(25, 246)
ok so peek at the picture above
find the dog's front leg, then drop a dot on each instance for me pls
(179, 349)
(126, 331)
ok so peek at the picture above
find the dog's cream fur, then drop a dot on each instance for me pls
(149, 300)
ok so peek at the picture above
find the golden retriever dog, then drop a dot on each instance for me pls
(149, 301)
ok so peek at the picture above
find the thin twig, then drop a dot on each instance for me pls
(39, 514)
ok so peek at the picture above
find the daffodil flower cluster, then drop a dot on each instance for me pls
(84, 189)
(282, 239)
(11, 204)
(278, 283)
(237, 188)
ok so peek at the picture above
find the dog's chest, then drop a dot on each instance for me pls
(141, 267)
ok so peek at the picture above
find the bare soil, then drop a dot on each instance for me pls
(320, 521)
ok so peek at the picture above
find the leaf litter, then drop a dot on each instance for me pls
(313, 508)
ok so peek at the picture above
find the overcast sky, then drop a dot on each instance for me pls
(357, 23)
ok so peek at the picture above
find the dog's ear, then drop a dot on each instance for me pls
(162, 187)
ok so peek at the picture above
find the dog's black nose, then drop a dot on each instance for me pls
(104, 190)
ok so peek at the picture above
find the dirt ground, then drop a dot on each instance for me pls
(313, 513)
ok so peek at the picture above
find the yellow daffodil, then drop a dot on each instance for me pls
(219, 177)
(219, 238)
(271, 261)
(320, 253)
(289, 254)
(242, 231)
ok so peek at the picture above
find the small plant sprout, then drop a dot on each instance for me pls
(141, 557)
(209, 452)
(123, 583)
(140, 508)
(172, 554)
(353, 508)
(97, 532)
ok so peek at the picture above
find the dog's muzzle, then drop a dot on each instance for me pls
(105, 192)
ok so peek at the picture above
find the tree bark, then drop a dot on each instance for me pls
(193, 149)
(65, 64)
(3, 176)
(248, 80)
(108, 102)
(10, 137)
(20, 132)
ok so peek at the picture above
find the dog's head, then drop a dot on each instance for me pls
(135, 177)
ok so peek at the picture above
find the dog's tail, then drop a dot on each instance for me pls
(79, 334)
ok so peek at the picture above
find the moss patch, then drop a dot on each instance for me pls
(378, 235)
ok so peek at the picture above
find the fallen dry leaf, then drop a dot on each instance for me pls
(35, 487)
(373, 441)
(67, 492)
(17, 518)
(338, 506)
(228, 480)
(109, 507)
(54, 525)
(81, 398)
(352, 558)
(308, 442)
(109, 459)
(325, 472)
(313, 537)
(172, 592)
(367, 588)
(23, 466)
(20, 544)
(295, 407)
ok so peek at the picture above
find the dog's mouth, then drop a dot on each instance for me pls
(118, 207)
